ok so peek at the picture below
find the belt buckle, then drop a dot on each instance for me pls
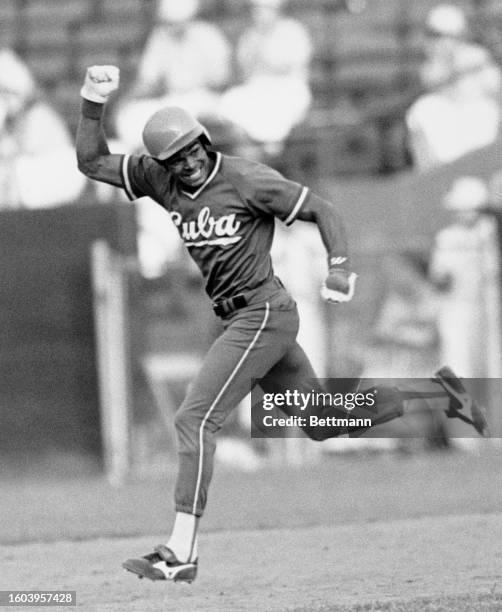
(218, 309)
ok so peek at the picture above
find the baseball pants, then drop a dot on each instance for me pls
(258, 340)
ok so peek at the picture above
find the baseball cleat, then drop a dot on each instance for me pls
(162, 564)
(461, 400)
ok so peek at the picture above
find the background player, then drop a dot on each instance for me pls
(225, 208)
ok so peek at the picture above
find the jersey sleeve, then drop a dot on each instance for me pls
(142, 176)
(275, 195)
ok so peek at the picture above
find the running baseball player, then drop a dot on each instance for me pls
(225, 208)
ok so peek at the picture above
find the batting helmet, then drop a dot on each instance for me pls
(169, 130)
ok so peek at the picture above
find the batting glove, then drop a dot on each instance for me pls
(100, 82)
(339, 287)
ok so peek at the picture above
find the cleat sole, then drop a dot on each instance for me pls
(143, 569)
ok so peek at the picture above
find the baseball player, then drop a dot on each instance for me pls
(225, 208)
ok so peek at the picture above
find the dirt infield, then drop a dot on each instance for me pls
(418, 533)
(319, 568)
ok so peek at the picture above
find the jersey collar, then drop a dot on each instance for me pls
(195, 194)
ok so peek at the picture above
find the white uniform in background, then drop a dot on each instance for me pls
(300, 268)
(466, 258)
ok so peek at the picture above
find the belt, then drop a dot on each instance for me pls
(226, 306)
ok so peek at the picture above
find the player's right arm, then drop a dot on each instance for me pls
(93, 155)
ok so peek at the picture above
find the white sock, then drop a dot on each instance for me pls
(183, 540)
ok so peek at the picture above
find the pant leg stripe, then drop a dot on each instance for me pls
(217, 399)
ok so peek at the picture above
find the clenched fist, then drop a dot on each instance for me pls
(339, 286)
(100, 82)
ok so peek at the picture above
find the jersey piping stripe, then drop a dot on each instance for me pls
(195, 194)
(125, 178)
(217, 399)
(292, 215)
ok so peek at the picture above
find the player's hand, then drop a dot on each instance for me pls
(100, 82)
(339, 287)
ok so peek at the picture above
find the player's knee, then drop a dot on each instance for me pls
(186, 421)
(187, 432)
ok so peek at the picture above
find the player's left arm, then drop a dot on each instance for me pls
(340, 282)
(289, 201)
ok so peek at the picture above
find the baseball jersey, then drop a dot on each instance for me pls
(227, 224)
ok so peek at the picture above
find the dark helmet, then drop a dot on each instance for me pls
(169, 130)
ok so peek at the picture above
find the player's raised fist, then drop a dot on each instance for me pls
(100, 82)
(339, 287)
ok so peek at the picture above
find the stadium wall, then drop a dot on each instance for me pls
(48, 394)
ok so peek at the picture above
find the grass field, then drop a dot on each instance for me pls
(355, 533)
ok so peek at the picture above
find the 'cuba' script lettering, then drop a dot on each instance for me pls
(206, 230)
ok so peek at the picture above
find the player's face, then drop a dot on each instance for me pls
(191, 166)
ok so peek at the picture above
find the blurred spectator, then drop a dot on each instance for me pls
(404, 336)
(495, 190)
(465, 266)
(461, 110)
(186, 62)
(404, 344)
(495, 204)
(37, 157)
(273, 58)
(301, 269)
